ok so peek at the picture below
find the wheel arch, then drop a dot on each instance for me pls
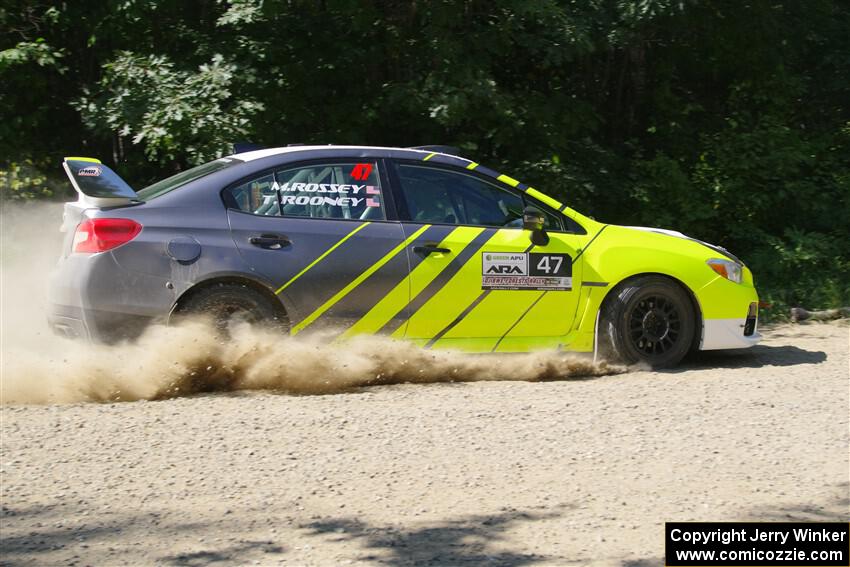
(208, 283)
(698, 324)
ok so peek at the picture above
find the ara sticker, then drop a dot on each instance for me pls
(534, 271)
(93, 171)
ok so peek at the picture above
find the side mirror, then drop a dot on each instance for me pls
(533, 220)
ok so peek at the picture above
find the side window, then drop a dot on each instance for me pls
(258, 197)
(332, 191)
(441, 196)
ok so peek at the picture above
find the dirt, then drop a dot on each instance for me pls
(581, 471)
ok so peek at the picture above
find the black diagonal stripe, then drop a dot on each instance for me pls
(465, 312)
(530, 307)
(436, 233)
(338, 268)
(439, 282)
(521, 317)
(459, 318)
(586, 246)
(351, 308)
(356, 304)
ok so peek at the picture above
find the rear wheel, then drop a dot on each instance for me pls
(648, 319)
(227, 304)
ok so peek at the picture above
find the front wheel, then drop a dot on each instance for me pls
(649, 319)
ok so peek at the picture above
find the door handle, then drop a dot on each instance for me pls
(430, 248)
(270, 241)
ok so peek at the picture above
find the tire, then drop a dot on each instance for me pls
(230, 303)
(648, 319)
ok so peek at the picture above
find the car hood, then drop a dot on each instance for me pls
(676, 234)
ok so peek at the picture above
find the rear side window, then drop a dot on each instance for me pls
(258, 197)
(171, 183)
(332, 191)
(321, 191)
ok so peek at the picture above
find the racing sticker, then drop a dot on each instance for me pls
(93, 171)
(343, 195)
(361, 171)
(523, 270)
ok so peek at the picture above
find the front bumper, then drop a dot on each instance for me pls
(720, 334)
(729, 314)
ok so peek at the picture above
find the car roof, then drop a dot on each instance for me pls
(255, 160)
(321, 152)
(270, 152)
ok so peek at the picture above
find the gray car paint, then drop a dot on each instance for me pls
(140, 282)
(115, 294)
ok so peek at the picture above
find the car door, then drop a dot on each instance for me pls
(318, 232)
(484, 286)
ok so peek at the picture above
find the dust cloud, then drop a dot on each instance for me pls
(38, 367)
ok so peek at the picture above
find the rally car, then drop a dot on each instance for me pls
(412, 243)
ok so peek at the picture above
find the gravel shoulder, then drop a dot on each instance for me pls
(577, 472)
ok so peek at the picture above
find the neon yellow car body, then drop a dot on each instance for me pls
(510, 320)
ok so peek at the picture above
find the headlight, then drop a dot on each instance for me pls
(728, 269)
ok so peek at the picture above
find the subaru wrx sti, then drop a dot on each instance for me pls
(416, 244)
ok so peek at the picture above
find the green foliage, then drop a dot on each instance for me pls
(36, 51)
(725, 120)
(27, 181)
(177, 116)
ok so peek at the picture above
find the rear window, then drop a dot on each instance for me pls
(171, 183)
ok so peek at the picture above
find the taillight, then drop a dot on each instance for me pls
(100, 235)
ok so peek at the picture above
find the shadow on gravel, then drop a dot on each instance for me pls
(465, 541)
(834, 509)
(756, 357)
(27, 548)
(643, 562)
(231, 555)
(57, 538)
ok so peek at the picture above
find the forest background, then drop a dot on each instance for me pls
(725, 119)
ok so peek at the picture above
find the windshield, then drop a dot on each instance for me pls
(184, 177)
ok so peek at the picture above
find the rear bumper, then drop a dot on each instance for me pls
(91, 297)
(68, 322)
(96, 326)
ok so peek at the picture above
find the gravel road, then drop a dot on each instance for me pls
(577, 472)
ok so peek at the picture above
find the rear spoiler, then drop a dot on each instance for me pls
(97, 185)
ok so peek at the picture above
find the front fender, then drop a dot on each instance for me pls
(620, 253)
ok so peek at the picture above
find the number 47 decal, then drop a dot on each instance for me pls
(550, 264)
(553, 265)
(361, 171)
